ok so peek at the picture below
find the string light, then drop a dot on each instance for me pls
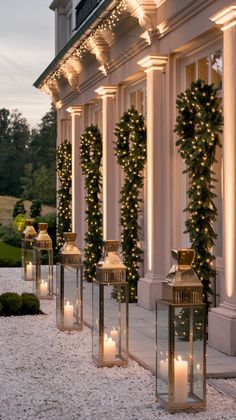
(130, 150)
(198, 125)
(63, 157)
(90, 158)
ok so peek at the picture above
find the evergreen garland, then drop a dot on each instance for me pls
(198, 126)
(131, 155)
(90, 157)
(64, 171)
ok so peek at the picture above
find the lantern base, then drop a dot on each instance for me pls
(49, 297)
(119, 362)
(72, 328)
(187, 407)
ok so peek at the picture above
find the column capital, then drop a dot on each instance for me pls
(106, 91)
(75, 110)
(225, 17)
(153, 62)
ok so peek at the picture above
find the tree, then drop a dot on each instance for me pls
(14, 140)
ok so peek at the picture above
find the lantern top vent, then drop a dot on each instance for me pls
(43, 239)
(110, 268)
(29, 232)
(70, 254)
(182, 284)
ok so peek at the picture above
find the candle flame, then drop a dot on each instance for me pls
(67, 303)
(179, 358)
(105, 337)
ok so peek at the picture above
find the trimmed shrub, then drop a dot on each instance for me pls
(11, 303)
(30, 304)
(35, 208)
(19, 208)
(10, 235)
(1, 308)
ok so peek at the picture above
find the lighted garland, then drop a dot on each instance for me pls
(198, 126)
(90, 157)
(131, 155)
(63, 157)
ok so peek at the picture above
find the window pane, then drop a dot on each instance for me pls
(217, 68)
(203, 69)
(190, 74)
(132, 97)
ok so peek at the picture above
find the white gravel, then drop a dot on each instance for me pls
(48, 374)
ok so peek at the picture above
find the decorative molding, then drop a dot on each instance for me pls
(225, 17)
(107, 91)
(75, 110)
(153, 62)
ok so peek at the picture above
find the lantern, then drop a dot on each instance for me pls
(181, 338)
(110, 316)
(43, 264)
(69, 296)
(27, 250)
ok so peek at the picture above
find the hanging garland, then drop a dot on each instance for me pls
(63, 157)
(131, 155)
(90, 157)
(198, 126)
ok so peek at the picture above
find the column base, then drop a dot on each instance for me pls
(149, 290)
(222, 328)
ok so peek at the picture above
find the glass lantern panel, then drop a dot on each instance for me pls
(43, 273)
(115, 321)
(188, 353)
(95, 320)
(27, 259)
(162, 349)
(68, 296)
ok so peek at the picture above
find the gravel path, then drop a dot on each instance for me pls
(48, 374)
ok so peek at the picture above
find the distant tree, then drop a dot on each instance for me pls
(14, 140)
(35, 208)
(19, 208)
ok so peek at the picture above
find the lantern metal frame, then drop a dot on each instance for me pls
(69, 279)
(43, 287)
(27, 250)
(109, 280)
(183, 295)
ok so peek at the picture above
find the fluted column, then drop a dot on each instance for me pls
(109, 164)
(157, 220)
(77, 187)
(222, 320)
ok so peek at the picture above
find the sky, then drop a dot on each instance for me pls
(26, 49)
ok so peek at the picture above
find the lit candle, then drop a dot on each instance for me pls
(29, 268)
(68, 315)
(114, 335)
(43, 288)
(164, 368)
(109, 349)
(180, 380)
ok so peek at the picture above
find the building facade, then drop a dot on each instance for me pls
(113, 54)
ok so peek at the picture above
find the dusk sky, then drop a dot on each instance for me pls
(26, 48)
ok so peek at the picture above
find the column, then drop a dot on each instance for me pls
(158, 191)
(109, 163)
(77, 187)
(222, 320)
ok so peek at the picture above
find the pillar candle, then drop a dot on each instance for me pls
(43, 288)
(109, 349)
(29, 268)
(68, 315)
(180, 380)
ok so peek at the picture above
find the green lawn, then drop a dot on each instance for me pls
(10, 256)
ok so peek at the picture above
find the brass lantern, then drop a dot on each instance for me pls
(110, 316)
(43, 263)
(181, 338)
(69, 277)
(27, 250)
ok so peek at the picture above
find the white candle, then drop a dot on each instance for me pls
(68, 315)
(109, 349)
(43, 288)
(164, 368)
(114, 335)
(29, 271)
(180, 380)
